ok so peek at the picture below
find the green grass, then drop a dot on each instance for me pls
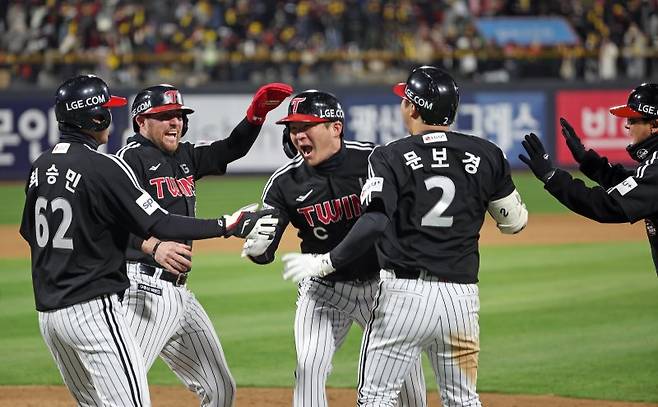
(581, 324)
(220, 195)
(573, 320)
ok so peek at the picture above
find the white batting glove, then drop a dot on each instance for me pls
(242, 222)
(261, 237)
(297, 266)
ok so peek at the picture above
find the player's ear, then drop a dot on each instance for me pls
(338, 127)
(415, 114)
(140, 119)
(654, 127)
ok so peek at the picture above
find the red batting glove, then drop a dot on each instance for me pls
(267, 98)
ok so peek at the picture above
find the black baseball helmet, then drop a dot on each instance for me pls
(642, 103)
(156, 99)
(310, 106)
(84, 102)
(434, 93)
(313, 106)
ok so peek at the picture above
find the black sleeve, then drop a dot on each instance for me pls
(125, 199)
(599, 170)
(381, 187)
(213, 158)
(120, 197)
(27, 216)
(363, 235)
(133, 159)
(135, 242)
(503, 180)
(178, 227)
(593, 203)
(637, 193)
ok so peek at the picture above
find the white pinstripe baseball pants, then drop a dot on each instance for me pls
(325, 313)
(168, 321)
(96, 353)
(410, 316)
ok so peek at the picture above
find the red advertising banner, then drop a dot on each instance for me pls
(589, 114)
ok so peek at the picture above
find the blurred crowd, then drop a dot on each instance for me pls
(196, 42)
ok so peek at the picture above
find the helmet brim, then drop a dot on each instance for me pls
(625, 111)
(115, 101)
(302, 118)
(166, 108)
(398, 89)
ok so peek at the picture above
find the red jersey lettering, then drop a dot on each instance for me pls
(158, 186)
(306, 211)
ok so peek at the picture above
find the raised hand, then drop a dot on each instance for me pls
(573, 141)
(538, 160)
(267, 98)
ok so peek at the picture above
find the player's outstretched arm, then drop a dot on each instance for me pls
(593, 203)
(213, 158)
(594, 166)
(360, 239)
(239, 224)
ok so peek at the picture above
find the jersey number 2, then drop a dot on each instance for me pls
(41, 222)
(433, 216)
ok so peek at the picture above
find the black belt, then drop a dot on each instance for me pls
(407, 274)
(332, 283)
(175, 279)
(410, 274)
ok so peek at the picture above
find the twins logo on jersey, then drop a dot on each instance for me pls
(176, 187)
(332, 211)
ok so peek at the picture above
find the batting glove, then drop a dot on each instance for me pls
(261, 237)
(297, 266)
(243, 221)
(539, 161)
(267, 98)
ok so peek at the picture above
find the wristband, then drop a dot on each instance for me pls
(155, 248)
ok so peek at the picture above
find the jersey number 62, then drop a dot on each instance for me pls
(41, 222)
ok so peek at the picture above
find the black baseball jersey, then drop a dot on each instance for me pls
(322, 202)
(79, 207)
(435, 189)
(170, 178)
(631, 195)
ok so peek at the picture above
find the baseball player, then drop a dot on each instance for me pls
(425, 202)
(318, 193)
(624, 195)
(80, 206)
(165, 316)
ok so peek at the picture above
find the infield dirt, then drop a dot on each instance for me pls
(161, 396)
(541, 229)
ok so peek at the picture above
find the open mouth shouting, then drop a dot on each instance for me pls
(171, 136)
(306, 150)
